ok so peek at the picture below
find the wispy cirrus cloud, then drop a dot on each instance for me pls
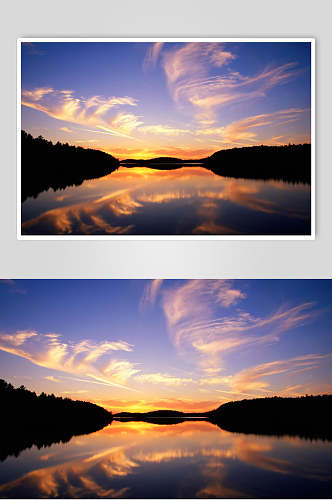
(126, 123)
(163, 378)
(200, 77)
(194, 59)
(200, 325)
(150, 292)
(248, 130)
(17, 339)
(96, 111)
(84, 358)
(152, 55)
(197, 297)
(164, 130)
(119, 371)
(255, 378)
(52, 379)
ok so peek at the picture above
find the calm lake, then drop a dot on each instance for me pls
(189, 200)
(193, 459)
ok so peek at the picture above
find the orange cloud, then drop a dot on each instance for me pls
(52, 379)
(162, 378)
(164, 130)
(119, 371)
(245, 130)
(76, 478)
(248, 131)
(254, 378)
(95, 111)
(84, 358)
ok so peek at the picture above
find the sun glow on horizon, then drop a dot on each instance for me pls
(212, 340)
(180, 99)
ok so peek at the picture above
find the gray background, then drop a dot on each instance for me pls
(167, 18)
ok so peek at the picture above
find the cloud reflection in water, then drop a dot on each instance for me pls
(187, 200)
(190, 459)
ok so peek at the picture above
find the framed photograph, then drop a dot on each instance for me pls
(207, 389)
(189, 138)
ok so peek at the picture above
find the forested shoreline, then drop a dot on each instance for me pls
(46, 165)
(29, 419)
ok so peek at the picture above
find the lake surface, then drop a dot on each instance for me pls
(189, 200)
(193, 459)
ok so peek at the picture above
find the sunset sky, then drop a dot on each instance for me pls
(184, 99)
(178, 344)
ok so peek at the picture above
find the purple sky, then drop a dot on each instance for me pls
(188, 100)
(188, 344)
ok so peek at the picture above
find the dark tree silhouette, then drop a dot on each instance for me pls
(46, 165)
(305, 416)
(290, 163)
(28, 419)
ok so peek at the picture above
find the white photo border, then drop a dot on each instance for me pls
(68, 237)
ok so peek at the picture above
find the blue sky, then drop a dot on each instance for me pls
(148, 99)
(190, 344)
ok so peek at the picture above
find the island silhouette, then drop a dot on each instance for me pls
(45, 165)
(41, 420)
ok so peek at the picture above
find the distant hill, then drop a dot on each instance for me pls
(155, 413)
(46, 165)
(161, 159)
(162, 163)
(159, 417)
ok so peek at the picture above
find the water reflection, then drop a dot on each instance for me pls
(188, 200)
(190, 460)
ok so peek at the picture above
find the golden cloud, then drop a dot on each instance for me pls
(162, 378)
(84, 358)
(254, 378)
(96, 111)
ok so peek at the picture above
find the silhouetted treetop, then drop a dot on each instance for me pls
(29, 419)
(290, 163)
(308, 416)
(58, 166)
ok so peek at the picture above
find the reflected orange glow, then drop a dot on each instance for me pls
(115, 461)
(125, 200)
